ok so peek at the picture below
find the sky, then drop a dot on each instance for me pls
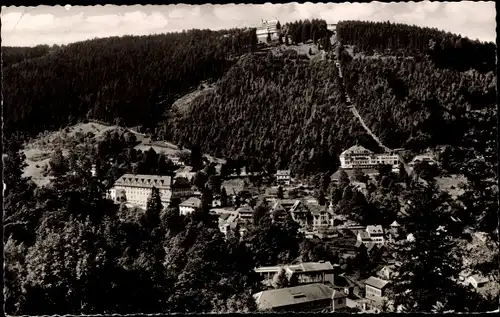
(30, 26)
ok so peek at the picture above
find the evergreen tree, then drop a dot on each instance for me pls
(280, 192)
(154, 208)
(223, 197)
(343, 179)
(268, 39)
(280, 280)
(430, 263)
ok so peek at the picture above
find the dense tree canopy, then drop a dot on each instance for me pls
(134, 78)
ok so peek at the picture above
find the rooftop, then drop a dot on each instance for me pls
(292, 296)
(283, 172)
(376, 282)
(356, 149)
(311, 267)
(145, 181)
(192, 202)
(374, 229)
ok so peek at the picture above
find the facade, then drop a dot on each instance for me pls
(245, 213)
(371, 235)
(386, 272)
(136, 189)
(304, 298)
(306, 273)
(374, 288)
(358, 157)
(310, 215)
(189, 206)
(283, 177)
(267, 28)
(312, 272)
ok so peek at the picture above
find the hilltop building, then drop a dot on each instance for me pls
(359, 157)
(136, 189)
(268, 28)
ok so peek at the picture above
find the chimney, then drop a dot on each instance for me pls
(321, 261)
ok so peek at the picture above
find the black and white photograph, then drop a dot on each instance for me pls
(243, 158)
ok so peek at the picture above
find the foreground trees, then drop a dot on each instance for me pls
(431, 261)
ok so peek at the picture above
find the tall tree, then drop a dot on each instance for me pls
(431, 262)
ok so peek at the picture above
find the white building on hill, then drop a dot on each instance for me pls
(136, 189)
(358, 157)
(268, 28)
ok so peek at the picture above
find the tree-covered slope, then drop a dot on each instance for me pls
(445, 49)
(277, 111)
(413, 104)
(132, 78)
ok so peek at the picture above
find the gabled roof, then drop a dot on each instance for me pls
(145, 181)
(363, 235)
(283, 173)
(311, 267)
(192, 202)
(292, 296)
(374, 229)
(376, 282)
(356, 149)
(394, 224)
(245, 209)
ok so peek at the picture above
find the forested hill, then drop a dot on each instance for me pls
(130, 79)
(446, 50)
(13, 55)
(407, 82)
(276, 112)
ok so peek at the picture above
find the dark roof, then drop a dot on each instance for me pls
(145, 181)
(292, 296)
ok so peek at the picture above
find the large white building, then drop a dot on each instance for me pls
(136, 189)
(267, 27)
(358, 157)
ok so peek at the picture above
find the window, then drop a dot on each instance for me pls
(339, 301)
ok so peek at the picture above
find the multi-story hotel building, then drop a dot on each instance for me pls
(136, 189)
(358, 157)
(267, 28)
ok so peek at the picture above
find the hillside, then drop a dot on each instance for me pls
(131, 79)
(286, 113)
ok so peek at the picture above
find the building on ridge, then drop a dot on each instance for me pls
(268, 28)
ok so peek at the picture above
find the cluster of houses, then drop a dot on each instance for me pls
(322, 287)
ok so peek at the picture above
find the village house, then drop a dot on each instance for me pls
(189, 206)
(428, 158)
(306, 273)
(386, 272)
(477, 281)
(186, 172)
(372, 234)
(245, 213)
(359, 157)
(375, 292)
(304, 298)
(227, 222)
(136, 189)
(283, 177)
